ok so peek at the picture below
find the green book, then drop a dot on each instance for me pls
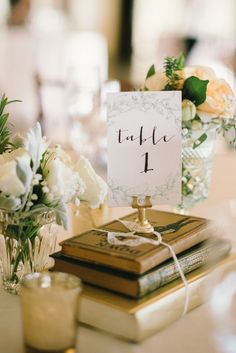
(137, 286)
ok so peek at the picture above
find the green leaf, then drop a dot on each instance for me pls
(200, 140)
(172, 66)
(180, 61)
(4, 130)
(151, 71)
(195, 90)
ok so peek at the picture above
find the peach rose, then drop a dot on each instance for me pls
(156, 82)
(219, 95)
(219, 100)
(201, 72)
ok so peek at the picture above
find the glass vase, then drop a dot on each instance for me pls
(196, 168)
(26, 241)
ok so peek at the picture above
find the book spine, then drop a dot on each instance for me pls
(188, 263)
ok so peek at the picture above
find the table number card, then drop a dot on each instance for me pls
(144, 147)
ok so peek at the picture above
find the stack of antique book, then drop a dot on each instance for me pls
(136, 290)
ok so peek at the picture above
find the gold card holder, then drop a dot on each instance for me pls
(142, 220)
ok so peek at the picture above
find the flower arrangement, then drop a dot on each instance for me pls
(37, 181)
(37, 177)
(208, 104)
(206, 99)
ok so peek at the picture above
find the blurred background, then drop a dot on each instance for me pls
(61, 57)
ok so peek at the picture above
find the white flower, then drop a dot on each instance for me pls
(35, 182)
(205, 117)
(184, 131)
(188, 110)
(95, 187)
(196, 125)
(45, 189)
(77, 202)
(230, 134)
(35, 144)
(63, 182)
(15, 172)
(38, 176)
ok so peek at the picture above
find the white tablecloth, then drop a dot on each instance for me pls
(192, 333)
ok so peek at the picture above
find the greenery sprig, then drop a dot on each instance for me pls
(171, 67)
(4, 129)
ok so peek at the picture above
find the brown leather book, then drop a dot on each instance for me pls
(180, 231)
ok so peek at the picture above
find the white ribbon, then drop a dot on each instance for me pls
(132, 226)
(186, 300)
(131, 239)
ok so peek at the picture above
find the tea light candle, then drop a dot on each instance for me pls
(49, 308)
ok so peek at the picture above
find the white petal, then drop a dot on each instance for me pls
(230, 134)
(95, 187)
(205, 117)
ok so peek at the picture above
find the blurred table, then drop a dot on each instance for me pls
(192, 333)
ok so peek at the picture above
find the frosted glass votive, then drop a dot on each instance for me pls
(49, 308)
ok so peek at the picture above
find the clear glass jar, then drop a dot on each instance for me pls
(196, 168)
(26, 240)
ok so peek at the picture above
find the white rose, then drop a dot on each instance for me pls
(188, 110)
(62, 181)
(95, 187)
(15, 172)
